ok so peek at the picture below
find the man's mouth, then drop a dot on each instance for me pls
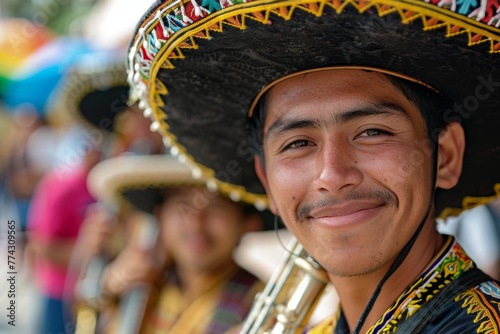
(346, 213)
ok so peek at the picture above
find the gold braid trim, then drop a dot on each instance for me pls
(475, 304)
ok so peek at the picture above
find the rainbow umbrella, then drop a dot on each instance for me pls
(19, 38)
(39, 74)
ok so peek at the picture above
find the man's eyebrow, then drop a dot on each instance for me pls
(388, 108)
(383, 108)
(281, 126)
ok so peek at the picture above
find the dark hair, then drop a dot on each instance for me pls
(255, 127)
(431, 104)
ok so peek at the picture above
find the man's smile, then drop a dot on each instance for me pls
(346, 213)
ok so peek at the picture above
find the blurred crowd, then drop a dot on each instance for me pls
(108, 233)
(92, 255)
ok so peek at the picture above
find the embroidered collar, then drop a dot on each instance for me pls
(446, 266)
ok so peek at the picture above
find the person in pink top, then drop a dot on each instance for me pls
(95, 87)
(54, 218)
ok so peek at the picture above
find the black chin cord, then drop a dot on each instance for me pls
(394, 266)
(400, 258)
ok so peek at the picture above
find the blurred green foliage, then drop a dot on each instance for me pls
(61, 16)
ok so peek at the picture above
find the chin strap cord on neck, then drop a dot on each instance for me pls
(401, 256)
(395, 265)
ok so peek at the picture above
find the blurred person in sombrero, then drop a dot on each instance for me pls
(195, 284)
(94, 83)
(367, 120)
(95, 95)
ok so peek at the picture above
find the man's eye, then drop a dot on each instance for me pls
(296, 144)
(374, 132)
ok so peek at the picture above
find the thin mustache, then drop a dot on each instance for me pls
(383, 196)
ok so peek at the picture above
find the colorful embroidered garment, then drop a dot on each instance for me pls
(222, 306)
(475, 310)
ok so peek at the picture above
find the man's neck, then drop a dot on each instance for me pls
(354, 292)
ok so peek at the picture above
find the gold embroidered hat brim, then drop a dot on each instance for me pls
(198, 66)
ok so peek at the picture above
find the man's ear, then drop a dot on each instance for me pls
(451, 146)
(261, 173)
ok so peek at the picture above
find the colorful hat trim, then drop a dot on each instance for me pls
(144, 57)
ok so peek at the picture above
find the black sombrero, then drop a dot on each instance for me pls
(198, 68)
(94, 91)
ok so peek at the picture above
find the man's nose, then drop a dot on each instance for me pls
(337, 166)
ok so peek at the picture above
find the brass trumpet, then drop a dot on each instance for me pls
(288, 300)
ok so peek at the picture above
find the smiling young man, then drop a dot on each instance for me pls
(368, 120)
(340, 169)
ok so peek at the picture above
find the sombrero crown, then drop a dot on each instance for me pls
(198, 67)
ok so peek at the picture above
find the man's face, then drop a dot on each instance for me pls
(347, 167)
(200, 229)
